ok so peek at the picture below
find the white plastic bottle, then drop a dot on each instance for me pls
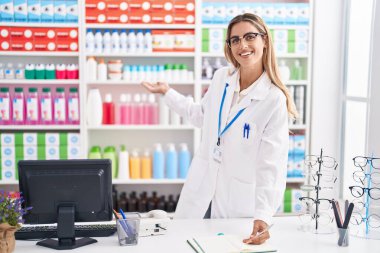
(140, 73)
(127, 73)
(134, 73)
(9, 72)
(148, 42)
(115, 38)
(140, 41)
(164, 112)
(1, 71)
(90, 41)
(284, 71)
(132, 41)
(94, 108)
(98, 41)
(20, 71)
(91, 66)
(175, 119)
(123, 41)
(107, 44)
(102, 70)
(123, 164)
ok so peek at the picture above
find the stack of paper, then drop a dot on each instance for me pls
(226, 244)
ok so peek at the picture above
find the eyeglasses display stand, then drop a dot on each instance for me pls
(313, 220)
(365, 222)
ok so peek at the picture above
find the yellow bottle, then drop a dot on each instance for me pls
(146, 165)
(135, 165)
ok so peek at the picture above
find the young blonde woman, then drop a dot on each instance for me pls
(240, 167)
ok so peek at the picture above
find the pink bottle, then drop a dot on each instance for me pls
(137, 110)
(125, 109)
(73, 106)
(144, 104)
(5, 106)
(32, 110)
(60, 106)
(60, 71)
(108, 110)
(152, 110)
(18, 106)
(46, 105)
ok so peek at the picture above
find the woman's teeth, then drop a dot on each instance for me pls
(246, 53)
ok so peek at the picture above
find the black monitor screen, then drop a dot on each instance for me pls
(52, 186)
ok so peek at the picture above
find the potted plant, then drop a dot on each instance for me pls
(11, 213)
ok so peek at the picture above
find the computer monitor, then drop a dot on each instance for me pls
(64, 192)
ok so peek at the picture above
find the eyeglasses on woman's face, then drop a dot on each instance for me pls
(248, 38)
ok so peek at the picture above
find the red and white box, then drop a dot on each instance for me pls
(163, 40)
(184, 41)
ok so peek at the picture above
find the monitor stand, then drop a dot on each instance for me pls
(66, 232)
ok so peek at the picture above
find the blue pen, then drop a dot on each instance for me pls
(124, 224)
(245, 128)
(248, 128)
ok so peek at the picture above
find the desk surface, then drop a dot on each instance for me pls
(284, 235)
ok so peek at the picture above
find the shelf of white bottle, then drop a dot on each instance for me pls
(128, 83)
(40, 127)
(141, 55)
(140, 26)
(148, 181)
(295, 180)
(277, 27)
(40, 81)
(141, 127)
(290, 82)
(39, 54)
(47, 25)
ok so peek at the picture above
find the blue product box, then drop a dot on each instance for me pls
(7, 11)
(298, 165)
(232, 11)
(268, 13)
(257, 9)
(72, 11)
(303, 14)
(20, 10)
(34, 11)
(219, 13)
(59, 11)
(207, 13)
(291, 13)
(47, 11)
(279, 13)
(299, 145)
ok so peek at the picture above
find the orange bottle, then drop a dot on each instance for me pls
(146, 165)
(135, 165)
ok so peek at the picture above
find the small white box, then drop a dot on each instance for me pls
(73, 139)
(52, 153)
(216, 47)
(8, 166)
(52, 139)
(303, 14)
(301, 47)
(280, 35)
(7, 140)
(268, 13)
(216, 34)
(73, 152)
(30, 151)
(291, 13)
(30, 139)
(8, 152)
(281, 47)
(301, 35)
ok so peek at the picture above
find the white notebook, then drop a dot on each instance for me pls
(226, 244)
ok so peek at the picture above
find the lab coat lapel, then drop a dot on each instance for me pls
(232, 82)
(257, 93)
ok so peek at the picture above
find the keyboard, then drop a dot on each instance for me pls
(50, 231)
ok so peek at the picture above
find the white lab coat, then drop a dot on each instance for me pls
(251, 178)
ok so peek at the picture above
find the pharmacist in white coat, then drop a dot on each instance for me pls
(240, 167)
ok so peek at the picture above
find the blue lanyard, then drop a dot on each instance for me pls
(220, 133)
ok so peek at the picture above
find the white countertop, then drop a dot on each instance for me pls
(285, 236)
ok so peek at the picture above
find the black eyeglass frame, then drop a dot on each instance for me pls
(228, 41)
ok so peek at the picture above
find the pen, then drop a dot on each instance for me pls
(199, 245)
(115, 214)
(124, 224)
(265, 230)
(188, 242)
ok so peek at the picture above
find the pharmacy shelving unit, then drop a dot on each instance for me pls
(140, 136)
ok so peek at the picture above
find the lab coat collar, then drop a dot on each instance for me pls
(257, 93)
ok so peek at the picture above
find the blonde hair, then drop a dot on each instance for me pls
(269, 58)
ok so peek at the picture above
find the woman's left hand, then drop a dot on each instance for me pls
(258, 226)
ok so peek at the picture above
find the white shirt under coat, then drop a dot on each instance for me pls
(250, 180)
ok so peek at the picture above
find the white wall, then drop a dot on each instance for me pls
(327, 78)
(374, 115)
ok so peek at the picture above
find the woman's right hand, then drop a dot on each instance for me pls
(159, 87)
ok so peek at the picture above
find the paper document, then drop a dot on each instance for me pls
(226, 244)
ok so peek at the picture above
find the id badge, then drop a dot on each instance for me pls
(217, 153)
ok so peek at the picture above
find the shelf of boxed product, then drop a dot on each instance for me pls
(126, 83)
(40, 127)
(148, 55)
(148, 181)
(297, 56)
(271, 27)
(39, 81)
(139, 26)
(24, 24)
(39, 54)
(141, 127)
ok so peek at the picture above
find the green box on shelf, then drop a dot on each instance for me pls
(205, 34)
(291, 47)
(205, 46)
(291, 35)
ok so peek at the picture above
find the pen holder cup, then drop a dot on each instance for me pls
(344, 235)
(128, 229)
